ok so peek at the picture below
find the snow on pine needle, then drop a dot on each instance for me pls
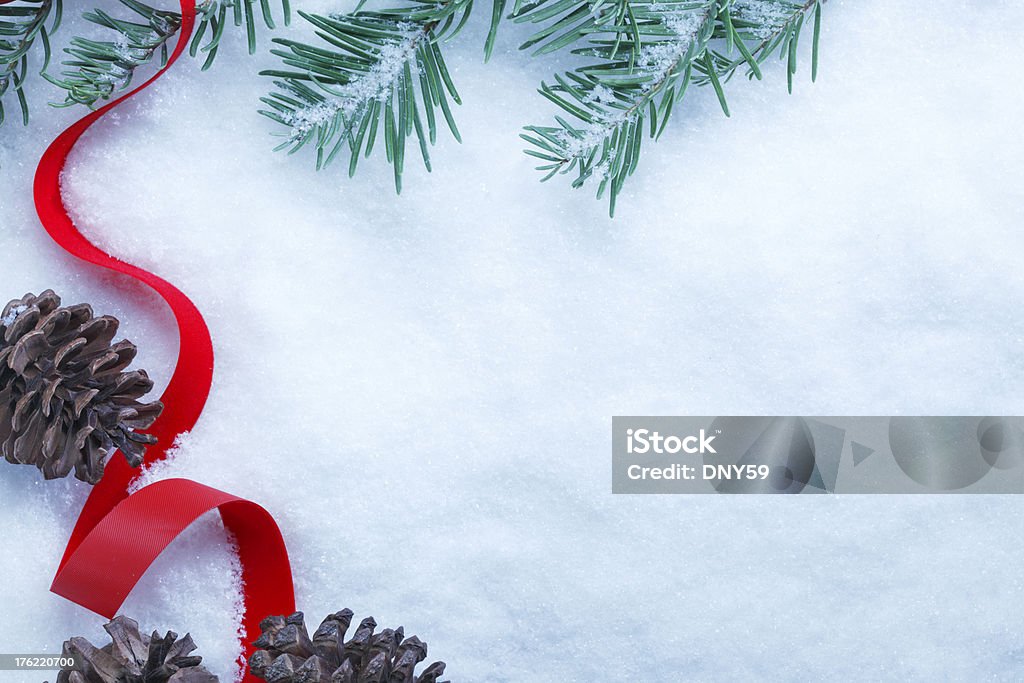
(611, 110)
(385, 77)
(764, 16)
(642, 71)
(382, 73)
(355, 96)
(760, 28)
(613, 98)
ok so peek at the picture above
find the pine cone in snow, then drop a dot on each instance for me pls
(288, 655)
(134, 658)
(65, 401)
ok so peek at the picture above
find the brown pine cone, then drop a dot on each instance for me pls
(288, 655)
(65, 401)
(134, 658)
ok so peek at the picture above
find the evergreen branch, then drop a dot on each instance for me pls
(21, 25)
(636, 85)
(385, 74)
(612, 98)
(101, 68)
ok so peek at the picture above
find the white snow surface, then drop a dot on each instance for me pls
(420, 389)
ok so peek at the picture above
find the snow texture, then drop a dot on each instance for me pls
(420, 389)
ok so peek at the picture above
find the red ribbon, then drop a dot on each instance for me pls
(117, 536)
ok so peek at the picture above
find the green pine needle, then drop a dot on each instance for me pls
(567, 22)
(212, 17)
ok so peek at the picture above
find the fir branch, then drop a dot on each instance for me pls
(386, 75)
(612, 99)
(635, 87)
(21, 25)
(101, 68)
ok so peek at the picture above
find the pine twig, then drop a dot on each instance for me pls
(634, 88)
(101, 68)
(612, 98)
(385, 75)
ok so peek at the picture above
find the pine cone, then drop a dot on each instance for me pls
(64, 401)
(288, 655)
(134, 658)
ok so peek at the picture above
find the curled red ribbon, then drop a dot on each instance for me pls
(118, 535)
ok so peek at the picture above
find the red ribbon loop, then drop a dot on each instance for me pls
(121, 547)
(118, 536)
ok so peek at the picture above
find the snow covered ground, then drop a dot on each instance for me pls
(421, 389)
